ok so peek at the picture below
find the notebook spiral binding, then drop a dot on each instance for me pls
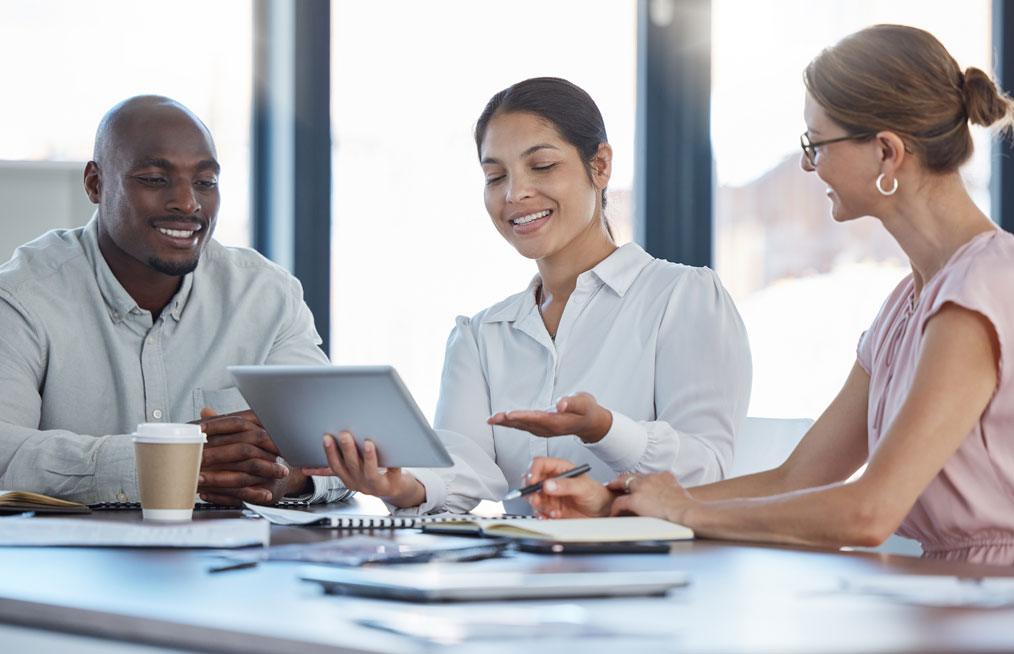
(199, 506)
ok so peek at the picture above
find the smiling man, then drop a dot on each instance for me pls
(135, 317)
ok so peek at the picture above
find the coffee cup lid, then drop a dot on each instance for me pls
(160, 432)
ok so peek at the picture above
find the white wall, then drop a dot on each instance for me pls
(37, 196)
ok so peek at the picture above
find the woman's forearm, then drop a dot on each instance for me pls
(831, 516)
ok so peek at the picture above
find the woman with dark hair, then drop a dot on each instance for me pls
(929, 404)
(660, 344)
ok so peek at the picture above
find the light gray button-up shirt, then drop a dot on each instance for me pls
(81, 364)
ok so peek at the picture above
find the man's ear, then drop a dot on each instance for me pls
(602, 165)
(93, 181)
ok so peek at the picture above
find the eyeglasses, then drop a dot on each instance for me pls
(810, 148)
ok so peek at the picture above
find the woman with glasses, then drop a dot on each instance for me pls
(658, 343)
(929, 404)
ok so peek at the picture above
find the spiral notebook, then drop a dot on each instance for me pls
(586, 530)
(277, 516)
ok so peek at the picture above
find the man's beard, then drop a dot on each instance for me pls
(174, 268)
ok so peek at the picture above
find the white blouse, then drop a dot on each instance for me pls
(659, 344)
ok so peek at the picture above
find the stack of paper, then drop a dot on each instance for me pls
(239, 532)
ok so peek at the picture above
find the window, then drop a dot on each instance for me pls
(412, 243)
(68, 62)
(806, 287)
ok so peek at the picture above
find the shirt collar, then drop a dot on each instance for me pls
(617, 271)
(119, 303)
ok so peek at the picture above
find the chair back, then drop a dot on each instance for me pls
(765, 443)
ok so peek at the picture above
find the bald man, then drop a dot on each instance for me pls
(135, 317)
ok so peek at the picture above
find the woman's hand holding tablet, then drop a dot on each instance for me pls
(363, 474)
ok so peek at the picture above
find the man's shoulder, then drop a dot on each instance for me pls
(45, 259)
(246, 266)
(244, 260)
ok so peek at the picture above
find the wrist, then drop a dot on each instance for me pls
(414, 493)
(601, 423)
(298, 483)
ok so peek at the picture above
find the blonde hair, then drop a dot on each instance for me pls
(902, 79)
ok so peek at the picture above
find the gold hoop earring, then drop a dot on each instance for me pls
(881, 188)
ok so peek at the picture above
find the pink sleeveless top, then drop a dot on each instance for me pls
(967, 511)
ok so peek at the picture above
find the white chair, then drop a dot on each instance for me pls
(765, 443)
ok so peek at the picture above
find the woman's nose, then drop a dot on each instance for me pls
(519, 188)
(804, 163)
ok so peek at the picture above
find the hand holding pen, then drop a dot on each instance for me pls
(534, 488)
(564, 492)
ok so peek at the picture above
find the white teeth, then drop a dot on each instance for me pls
(530, 217)
(176, 233)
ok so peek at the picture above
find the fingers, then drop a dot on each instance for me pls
(226, 425)
(235, 453)
(317, 472)
(236, 496)
(256, 437)
(266, 469)
(350, 453)
(334, 459)
(580, 403)
(371, 470)
(540, 423)
(543, 467)
(622, 505)
(623, 483)
(574, 486)
(232, 479)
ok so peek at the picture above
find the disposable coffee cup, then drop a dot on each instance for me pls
(168, 462)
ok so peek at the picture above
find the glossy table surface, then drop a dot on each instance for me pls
(742, 597)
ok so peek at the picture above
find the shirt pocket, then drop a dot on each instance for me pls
(224, 400)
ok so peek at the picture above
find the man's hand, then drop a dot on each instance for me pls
(578, 414)
(240, 463)
(573, 497)
(363, 474)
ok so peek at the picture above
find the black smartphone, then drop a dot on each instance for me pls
(630, 547)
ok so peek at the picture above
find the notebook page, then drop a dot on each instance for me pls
(590, 530)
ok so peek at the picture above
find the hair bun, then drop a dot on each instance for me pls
(983, 101)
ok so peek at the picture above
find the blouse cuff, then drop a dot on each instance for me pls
(623, 445)
(436, 493)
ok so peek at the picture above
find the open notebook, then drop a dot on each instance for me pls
(585, 530)
(17, 501)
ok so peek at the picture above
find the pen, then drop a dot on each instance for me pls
(234, 566)
(534, 488)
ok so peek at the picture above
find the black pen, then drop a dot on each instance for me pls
(534, 488)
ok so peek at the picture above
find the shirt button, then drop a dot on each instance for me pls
(157, 414)
(121, 496)
(151, 340)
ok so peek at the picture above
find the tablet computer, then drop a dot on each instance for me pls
(299, 404)
(437, 583)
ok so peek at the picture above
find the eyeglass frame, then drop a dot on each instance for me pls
(810, 148)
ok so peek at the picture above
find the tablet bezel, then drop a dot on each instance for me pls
(299, 404)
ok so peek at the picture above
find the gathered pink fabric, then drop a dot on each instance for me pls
(967, 511)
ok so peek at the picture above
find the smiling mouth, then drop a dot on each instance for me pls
(179, 233)
(532, 217)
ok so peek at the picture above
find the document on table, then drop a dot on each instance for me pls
(42, 532)
(928, 590)
(577, 530)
